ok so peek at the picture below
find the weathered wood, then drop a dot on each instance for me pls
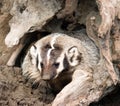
(101, 28)
(29, 16)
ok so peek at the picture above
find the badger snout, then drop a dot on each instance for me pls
(49, 75)
(46, 77)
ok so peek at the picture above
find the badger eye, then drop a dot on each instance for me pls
(56, 65)
(47, 46)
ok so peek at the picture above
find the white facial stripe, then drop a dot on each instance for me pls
(52, 47)
(33, 54)
(39, 59)
(48, 55)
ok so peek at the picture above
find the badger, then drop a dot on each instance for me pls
(71, 64)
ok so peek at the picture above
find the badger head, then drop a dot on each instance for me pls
(50, 57)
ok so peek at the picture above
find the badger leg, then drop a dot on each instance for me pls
(76, 92)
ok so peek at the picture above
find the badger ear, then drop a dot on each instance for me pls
(33, 54)
(74, 56)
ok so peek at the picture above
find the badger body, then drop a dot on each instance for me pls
(70, 63)
(59, 53)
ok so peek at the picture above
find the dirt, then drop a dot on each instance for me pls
(17, 91)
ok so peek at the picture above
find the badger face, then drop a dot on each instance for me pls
(51, 58)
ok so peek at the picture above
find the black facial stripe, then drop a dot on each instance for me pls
(37, 61)
(34, 46)
(42, 66)
(30, 56)
(65, 64)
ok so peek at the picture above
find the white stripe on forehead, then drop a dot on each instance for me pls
(52, 46)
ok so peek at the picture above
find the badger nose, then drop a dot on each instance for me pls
(46, 77)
